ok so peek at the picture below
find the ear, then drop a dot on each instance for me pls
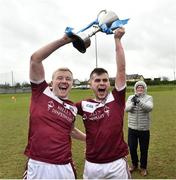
(51, 83)
(89, 82)
(72, 83)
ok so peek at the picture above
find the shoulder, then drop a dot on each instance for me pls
(148, 96)
(38, 88)
(81, 103)
(121, 91)
(69, 102)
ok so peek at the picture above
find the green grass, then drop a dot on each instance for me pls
(162, 153)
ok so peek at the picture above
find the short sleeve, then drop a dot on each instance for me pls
(37, 89)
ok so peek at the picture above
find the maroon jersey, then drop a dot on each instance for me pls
(104, 127)
(51, 121)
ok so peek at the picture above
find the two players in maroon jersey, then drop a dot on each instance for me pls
(52, 118)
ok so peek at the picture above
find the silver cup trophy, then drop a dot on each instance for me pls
(107, 22)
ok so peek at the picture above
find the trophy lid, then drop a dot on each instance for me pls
(107, 17)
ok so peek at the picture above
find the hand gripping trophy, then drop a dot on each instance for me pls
(106, 22)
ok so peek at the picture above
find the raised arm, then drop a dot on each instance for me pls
(120, 80)
(36, 67)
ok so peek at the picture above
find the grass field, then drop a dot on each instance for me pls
(162, 151)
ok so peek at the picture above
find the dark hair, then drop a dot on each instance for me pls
(98, 71)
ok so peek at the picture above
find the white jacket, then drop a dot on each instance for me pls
(139, 114)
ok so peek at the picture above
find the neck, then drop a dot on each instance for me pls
(64, 98)
(100, 100)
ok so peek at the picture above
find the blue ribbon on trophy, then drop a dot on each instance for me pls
(106, 22)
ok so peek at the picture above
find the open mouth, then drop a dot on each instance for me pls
(63, 88)
(101, 90)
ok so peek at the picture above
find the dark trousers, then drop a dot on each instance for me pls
(143, 137)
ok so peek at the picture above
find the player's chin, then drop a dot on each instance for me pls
(102, 96)
(63, 94)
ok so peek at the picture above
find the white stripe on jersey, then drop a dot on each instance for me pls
(50, 94)
(92, 106)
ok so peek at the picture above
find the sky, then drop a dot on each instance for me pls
(27, 25)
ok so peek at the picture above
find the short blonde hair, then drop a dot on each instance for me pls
(61, 69)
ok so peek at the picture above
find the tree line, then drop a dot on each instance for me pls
(156, 81)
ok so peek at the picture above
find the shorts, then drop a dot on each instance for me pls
(42, 170)
(114, 170)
